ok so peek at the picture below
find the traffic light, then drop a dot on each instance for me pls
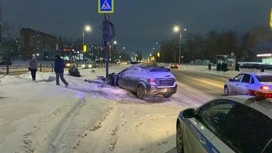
(106, 31)
(271, 19)
(158, 54)
(84, 48)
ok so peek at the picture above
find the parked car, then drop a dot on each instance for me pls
(242, 83)
(174, 66)
(148, 80)
(69, 64)
(226, 124)
(88, 65)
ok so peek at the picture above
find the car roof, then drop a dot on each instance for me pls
(264, 106)
(256, 73)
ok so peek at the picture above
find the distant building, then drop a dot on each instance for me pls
(37, 43)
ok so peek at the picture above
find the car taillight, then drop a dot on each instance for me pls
(151, 80)
(264, 87)
(260, 95)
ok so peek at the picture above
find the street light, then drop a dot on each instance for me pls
(87, 28)
(115, 42)
(177, 29)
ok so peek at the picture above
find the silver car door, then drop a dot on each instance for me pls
(244, 85)
(235, 84)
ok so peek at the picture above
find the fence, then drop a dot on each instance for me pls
(17, 70)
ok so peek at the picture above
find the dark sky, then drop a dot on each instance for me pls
(139, 23)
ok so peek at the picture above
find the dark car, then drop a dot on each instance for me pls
(148, 80)
(69, 64)
(174, 66)
(88, 65)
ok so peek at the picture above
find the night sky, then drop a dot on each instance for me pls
(139, 23)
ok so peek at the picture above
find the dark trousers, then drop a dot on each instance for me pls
(33, 74)
(60, 75)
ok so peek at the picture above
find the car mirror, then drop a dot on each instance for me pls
(189, 113)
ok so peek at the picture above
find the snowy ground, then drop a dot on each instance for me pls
(86, 118)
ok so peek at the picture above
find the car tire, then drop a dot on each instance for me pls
(167, 95)
(179, 140)
(140, 92)
(226, 91)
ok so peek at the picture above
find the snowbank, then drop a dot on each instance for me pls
(42, 117)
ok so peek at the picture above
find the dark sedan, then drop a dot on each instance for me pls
(174, 66)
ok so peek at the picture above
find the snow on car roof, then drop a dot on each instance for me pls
(264, 106)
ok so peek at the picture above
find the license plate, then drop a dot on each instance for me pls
(164, 90)
(165, 81)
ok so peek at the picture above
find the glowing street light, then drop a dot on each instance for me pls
(177, 29)
(115, 42)
(88, 28)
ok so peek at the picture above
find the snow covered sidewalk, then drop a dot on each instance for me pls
(45, 118)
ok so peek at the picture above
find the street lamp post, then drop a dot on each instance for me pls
(87, 29)
(177, 29)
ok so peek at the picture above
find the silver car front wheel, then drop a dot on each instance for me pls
(226, 91)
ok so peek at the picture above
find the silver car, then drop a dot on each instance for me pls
(242, 83)
(228, 124)
(144, 80)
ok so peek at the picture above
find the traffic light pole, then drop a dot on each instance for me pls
(106, 39)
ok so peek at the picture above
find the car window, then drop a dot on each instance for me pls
(246, 130)
(264, 78)
(252, 80)
(246, 78)
(214, 114)
(238, 77)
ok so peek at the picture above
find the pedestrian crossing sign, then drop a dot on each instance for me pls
(105, 6)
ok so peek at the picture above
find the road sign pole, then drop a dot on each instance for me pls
(106, 7)
(106, 37)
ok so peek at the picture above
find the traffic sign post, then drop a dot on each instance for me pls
(105, 6)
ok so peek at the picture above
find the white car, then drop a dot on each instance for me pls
(242, 83)
(228, 124)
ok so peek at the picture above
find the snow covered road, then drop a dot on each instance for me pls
(44, 118)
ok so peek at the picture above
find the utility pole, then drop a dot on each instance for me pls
(179, 46)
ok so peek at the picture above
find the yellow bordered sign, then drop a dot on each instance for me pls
(105, 6)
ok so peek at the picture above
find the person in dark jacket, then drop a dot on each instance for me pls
(59, 70)
(33, 67)
(210, 66)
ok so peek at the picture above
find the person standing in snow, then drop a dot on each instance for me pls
(33, 67)
(59, 70)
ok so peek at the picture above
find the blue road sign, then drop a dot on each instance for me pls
(105, 6)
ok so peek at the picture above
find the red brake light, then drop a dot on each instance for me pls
(264, 87)
(151, 80)
(260, 95)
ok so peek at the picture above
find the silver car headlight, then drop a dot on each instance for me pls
(90, 65)
(83, 65)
